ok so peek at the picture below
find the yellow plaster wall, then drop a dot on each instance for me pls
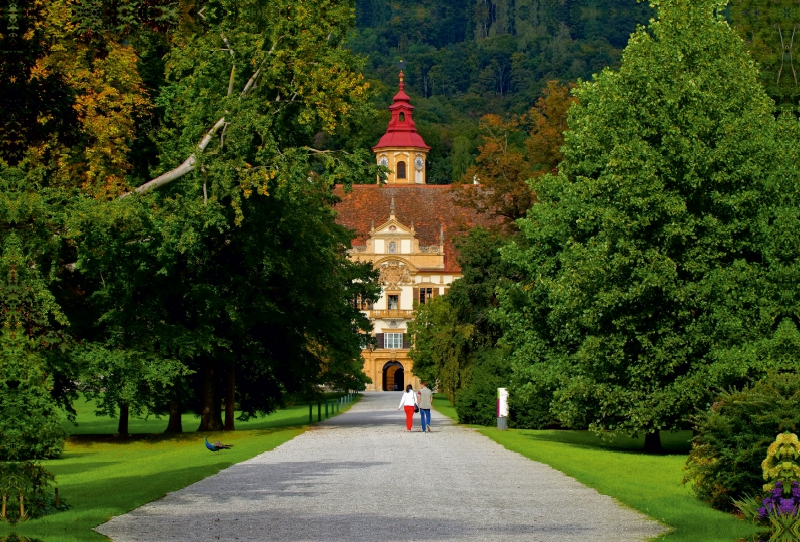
(406, 154)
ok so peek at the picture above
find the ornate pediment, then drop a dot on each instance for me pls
(393, 227)
(393, 274)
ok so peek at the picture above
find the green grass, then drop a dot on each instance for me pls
(648, 483)
(102, 476)
(442, 404)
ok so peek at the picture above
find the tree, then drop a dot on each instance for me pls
(644, 256)
(509, 157)
(229, 259)
(769, 29)
(441, 345)
(30, 427)
(126, 382)
(548, 123)
(454, 334)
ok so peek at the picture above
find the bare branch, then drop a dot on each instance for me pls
(230, 81)
(251, 82)
(186, 167)
(222, 135)
(228, 45)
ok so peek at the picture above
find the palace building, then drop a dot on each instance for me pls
(405, 228)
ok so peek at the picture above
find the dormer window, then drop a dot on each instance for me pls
(402, 117)
(401, 170)
(392, 247)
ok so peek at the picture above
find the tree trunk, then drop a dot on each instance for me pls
(652, 442)
(175, 424)
(122, 428)
(210, 413)
(230, 398)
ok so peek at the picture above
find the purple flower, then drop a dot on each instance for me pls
(795, 490)
(787, 506)
(762, 512)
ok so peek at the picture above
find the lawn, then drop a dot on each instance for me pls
(103, 476)
(648, 483)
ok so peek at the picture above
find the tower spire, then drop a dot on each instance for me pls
(401, 149)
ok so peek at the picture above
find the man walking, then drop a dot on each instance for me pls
(425, 402)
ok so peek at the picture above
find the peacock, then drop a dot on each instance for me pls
(217, 446)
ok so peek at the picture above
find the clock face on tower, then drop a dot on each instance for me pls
(384, 161)
(418, 163)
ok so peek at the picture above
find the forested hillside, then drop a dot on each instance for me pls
(467, 58)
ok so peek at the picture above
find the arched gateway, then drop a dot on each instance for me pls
(393, 376)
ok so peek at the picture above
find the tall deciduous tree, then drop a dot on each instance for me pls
(230, 259)
(645, 254)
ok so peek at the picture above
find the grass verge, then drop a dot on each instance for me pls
(648, 483)
(102, 476)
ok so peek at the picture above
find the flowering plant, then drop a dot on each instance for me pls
(775, 503)
(781, 509)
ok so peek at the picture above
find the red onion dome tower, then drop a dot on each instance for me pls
(402, 149)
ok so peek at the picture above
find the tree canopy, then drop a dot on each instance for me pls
(175, 198)
(645, 256)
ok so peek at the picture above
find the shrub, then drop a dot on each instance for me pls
(477, 401)
(733, 437)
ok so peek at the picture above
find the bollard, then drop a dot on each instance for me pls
(310, 413)
(319, 411)
(21, 506)
(502, 409)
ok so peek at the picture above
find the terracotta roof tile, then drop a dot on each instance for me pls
(428, 206)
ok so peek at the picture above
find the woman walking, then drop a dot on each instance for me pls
(408, 402)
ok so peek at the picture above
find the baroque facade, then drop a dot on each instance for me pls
(405, 228)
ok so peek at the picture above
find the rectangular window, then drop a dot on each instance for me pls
(423, 295)
(393, 341)
(394, 302)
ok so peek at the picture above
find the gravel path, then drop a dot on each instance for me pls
(362, 477)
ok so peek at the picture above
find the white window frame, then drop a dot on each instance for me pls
(393, 341)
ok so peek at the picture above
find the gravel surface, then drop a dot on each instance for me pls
(361, 476)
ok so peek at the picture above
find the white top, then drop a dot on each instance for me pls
(409, 399)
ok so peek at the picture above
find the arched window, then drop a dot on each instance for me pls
(402, 117)
(401, 170)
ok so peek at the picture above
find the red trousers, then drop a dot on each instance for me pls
(409, 416)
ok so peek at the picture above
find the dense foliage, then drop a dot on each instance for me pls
(165, 177)
(467, 58)
(30, 425)
(648, 256)
(733, 437)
